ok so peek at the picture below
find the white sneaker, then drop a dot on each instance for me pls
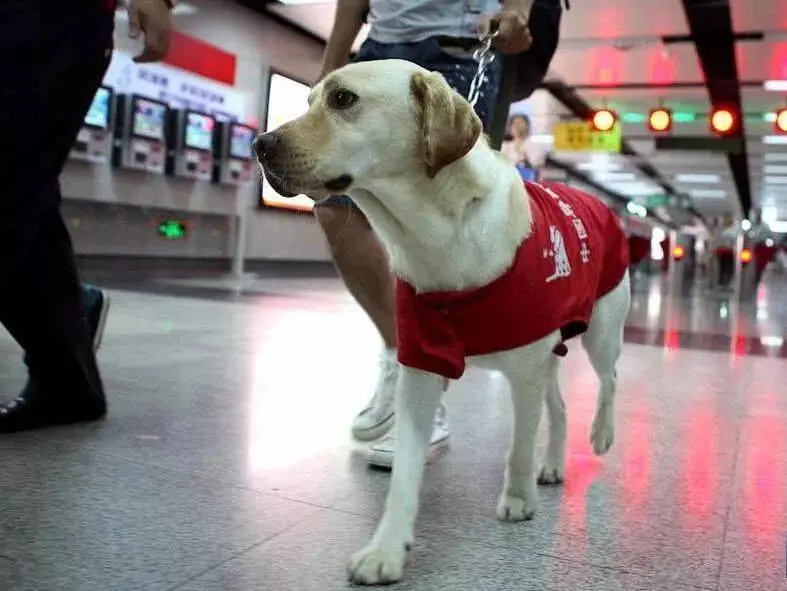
(377, 418)
(381, 453)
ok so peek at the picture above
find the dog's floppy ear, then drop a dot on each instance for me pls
(449, 125)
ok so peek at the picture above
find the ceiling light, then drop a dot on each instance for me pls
(774, 169)
(775, 157)
(723, 121)
(698, 178)
(600, 165)
(780, 227)
(612, 177)
(775, 85)
(772, 341)
(660, 120)
(769, 215)
(776, 180)
(635, 189)
(780, 124)
(769, 117)
(774, 139)
(708, 193)
(636, 209)
(603, 120)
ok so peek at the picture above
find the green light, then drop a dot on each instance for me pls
(172, 230)
(683, 117)
(633, 118)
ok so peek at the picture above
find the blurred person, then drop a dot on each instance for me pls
(53, 56)
(517, 147)
(439, 35)
(763, 244)
(723, 245)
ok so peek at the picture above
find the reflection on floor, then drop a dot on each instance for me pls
(226, 463)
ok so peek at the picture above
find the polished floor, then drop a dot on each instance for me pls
(226, 462)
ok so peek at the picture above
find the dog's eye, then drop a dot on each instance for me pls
(342, 99)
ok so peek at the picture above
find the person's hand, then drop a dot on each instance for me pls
(153, 18)
(513, 33)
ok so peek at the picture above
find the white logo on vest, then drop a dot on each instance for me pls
(562, 264)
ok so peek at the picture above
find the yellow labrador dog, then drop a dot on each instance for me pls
(466, 239)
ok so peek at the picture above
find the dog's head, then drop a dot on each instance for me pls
(368, 122)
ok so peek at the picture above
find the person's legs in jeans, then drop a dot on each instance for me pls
(363, 263)
(52, 58)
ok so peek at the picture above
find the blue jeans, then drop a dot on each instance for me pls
(458, 72)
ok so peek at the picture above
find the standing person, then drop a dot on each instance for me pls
(53, 55)
(517, 148)
(439, 35)
(724, 250)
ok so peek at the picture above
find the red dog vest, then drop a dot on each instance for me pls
(575, 254)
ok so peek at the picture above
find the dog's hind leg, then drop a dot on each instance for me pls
(553, 469)
(528, 374)
(603, 342)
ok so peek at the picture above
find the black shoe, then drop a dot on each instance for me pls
(30, 412)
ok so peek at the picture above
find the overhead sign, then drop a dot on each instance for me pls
(176, 87)
(700, 144)
(579, 136)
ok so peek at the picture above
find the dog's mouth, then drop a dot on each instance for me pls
(286, 187)
(340, 183)
(277, 183)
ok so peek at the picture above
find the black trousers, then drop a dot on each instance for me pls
(53, 55)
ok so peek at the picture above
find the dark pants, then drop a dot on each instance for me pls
(726, 268)
(53, 55)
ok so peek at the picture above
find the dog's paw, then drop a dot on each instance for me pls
(550, 474)
(511, 508)
(377, 566)
(602, 434)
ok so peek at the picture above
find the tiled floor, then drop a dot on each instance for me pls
(226, 463)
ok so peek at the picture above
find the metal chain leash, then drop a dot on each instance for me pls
(484, 56)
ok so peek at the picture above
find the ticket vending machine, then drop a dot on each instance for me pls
(234, 158)
(192, 135)
(93, 140)
(140, 134)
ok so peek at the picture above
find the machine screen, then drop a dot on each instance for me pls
(287, 99)
(240, 142)
(149, 119)
(98, 114)
(199, 131)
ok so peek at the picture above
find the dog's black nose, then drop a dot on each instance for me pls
(264, 143)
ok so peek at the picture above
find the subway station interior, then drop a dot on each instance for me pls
(236, 361)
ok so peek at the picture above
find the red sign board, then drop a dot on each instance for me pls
(199, 57)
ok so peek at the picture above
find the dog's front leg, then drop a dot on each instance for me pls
(382, 561)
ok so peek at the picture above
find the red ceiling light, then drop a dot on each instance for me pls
(722, 121)
(678, 252)
(660, 119)
(603, 120)
(781, 121)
